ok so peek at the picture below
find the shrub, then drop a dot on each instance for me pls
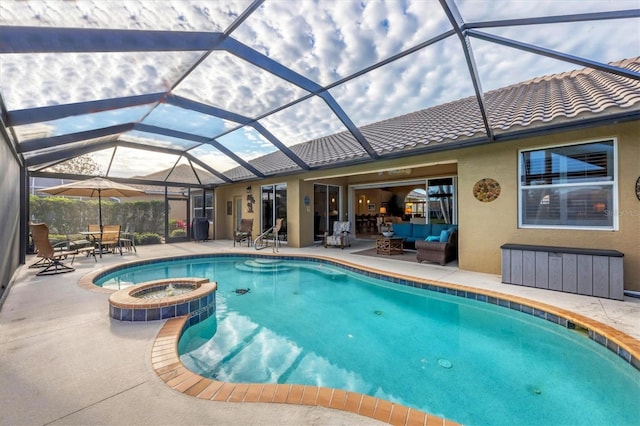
(177, 233)
(148, 238)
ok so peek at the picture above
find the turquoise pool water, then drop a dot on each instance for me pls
(472, 362)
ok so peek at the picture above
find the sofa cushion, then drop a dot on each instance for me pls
(402, 229)
(433, 238)
(421, 230)
(444, 236)
(437, 228)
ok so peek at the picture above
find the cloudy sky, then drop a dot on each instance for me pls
(323, 41)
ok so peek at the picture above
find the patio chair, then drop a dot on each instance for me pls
(50, 258)
(111, 238)
(128, 238)
(269, 235)
(244, 232)
(340, 237)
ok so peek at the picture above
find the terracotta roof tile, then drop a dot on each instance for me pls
(539, 101)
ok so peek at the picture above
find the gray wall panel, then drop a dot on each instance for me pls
(506, 266)
(555, 271)
(569, 273)
(9, 214)
(542, 269)
(516, 267)
(529, 268)
(601, 276)
(585, 274)
(616, 278)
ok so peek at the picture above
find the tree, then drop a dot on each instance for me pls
(82, 165)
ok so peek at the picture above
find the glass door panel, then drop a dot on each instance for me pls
(441, 200)
(326, 202)
(177, 225)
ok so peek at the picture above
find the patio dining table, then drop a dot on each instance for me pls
(96, 236)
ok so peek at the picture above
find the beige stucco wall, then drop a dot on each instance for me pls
(484, 227)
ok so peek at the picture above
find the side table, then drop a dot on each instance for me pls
(389, 245)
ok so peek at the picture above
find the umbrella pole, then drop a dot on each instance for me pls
(100, 220)
(100, 211)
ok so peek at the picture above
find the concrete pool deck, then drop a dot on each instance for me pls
(65, 361)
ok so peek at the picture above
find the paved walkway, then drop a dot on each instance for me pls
(64, 361)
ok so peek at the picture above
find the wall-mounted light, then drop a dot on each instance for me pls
(248, 190)
(333, 200)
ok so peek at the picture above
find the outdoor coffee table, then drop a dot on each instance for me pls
(389, 245)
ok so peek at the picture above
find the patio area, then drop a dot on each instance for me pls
(67, 362)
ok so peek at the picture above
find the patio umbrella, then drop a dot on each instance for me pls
(94, 187)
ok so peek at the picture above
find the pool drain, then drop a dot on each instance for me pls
(445, 363)
(377, 312)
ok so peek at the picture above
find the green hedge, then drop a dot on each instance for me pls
(71, 215)
(148, 238)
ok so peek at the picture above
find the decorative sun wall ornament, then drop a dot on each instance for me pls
(486, 190)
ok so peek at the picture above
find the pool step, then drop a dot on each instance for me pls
(279, 265)
(329, 273)
(263, 265)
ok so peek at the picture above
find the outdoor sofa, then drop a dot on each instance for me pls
(412, 232)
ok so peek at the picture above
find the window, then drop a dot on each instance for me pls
(571, 186)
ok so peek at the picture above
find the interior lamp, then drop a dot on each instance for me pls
(383, 210)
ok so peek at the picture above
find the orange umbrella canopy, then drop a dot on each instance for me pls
(94, 187)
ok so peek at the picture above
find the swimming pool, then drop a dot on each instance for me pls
(463, 359)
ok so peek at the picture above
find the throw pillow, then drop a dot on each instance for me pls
(433, 238)
(444, 236)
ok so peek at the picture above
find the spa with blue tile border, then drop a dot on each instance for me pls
(128, 304)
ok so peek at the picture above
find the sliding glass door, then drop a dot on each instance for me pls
(274, 206)
(441, 200)
(326, 201)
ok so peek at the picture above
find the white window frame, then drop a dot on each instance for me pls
(613, 184)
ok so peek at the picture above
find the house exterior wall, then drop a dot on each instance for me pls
(10, 178)
(484, 227)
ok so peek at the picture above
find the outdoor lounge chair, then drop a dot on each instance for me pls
(244, 232)
(340, 237)
(50, 258)
(436, 251)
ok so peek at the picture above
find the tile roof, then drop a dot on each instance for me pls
(535, 103)
(181, 173)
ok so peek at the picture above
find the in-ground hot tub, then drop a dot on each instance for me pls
(162, 299)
